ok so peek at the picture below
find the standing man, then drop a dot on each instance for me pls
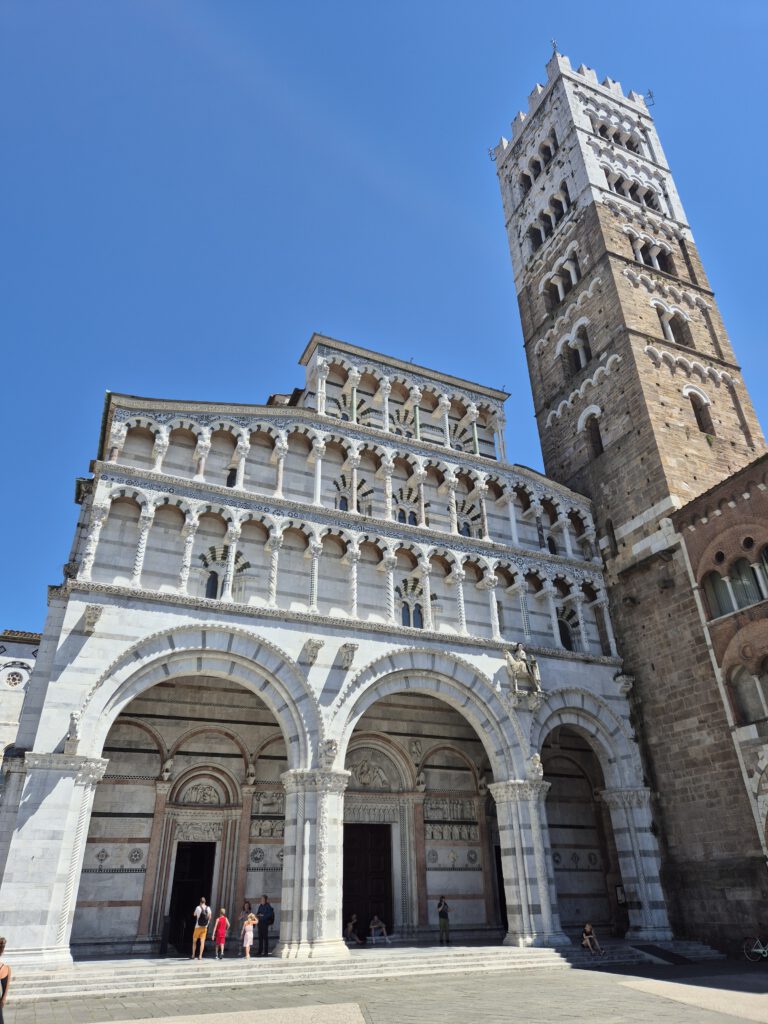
(265, 915)
(443, 910)
(202, 917)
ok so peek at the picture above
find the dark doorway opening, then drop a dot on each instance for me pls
(368, 875)
(192, 878)
(500, 888)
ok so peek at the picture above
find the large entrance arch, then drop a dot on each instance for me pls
(419, 822)
(191, 805)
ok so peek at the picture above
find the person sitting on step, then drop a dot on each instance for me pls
(377, 926)
(350, 932)
(589, 941)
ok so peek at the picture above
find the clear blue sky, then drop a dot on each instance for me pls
(189, 189)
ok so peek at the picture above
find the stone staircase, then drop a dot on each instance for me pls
(99, 977)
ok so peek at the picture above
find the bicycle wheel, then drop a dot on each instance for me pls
(753, 950)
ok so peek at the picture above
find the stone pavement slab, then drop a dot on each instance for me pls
(535, 996)
(332, 1013)
(751, 1006)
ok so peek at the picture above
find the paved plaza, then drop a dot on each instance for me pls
(714, 993)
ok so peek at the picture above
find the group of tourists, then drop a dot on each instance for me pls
(247, 921)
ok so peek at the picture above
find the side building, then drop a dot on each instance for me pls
(334, 636)
(640, 405)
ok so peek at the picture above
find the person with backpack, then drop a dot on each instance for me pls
(202, 916)
(265, 916)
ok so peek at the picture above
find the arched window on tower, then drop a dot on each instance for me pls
(744, 584)
(525, 183)
(702, 413)
(717, 596)
(594, 436)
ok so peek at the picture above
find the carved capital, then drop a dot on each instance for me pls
(87, 771)
(626, 798)
(516, 790)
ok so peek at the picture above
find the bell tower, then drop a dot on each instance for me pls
(641, 405)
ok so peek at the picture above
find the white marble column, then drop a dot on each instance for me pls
(353, 560)
(526, 864)
(385, 389)
(639, 863)
(353, 380)
(188, 532)
(314, 551)
(518, 590)
(273, 546)
(548, 594)
(45, 858)
(451, 483)
(564, 525)
(508, 498)
(457, 577)
(419, 478)
(481, 489)
(97, 517)
(310, 909)
(233, 535)
(444, 409)
(762, 585)
(279, 453)
(414, 396)
(353, 463)
(576, 601)
(472, 414)
(489, 582)
(387, 469)
(424, 569)
(316, 456)
(602, 604)
(145, 525)
(499, 427)
(389, 564)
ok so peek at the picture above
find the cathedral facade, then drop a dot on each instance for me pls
(337, 649)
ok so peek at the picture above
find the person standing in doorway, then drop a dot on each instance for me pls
(5, 979)
(443, 910)
(202, 915)
(220, 929)
(265, 915)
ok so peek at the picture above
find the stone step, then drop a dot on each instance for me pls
(118, 977)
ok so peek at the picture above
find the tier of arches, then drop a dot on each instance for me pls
(329, 471)
(221, 555)
(738, 583)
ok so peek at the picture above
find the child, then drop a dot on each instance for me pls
(220, 929)
(247, 934)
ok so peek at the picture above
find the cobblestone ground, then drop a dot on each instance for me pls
(701, 994)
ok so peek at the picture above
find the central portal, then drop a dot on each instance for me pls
(368, 875)
(192, 878)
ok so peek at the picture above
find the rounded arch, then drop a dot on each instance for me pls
(196, 730)
(457, 752)
(390, 749)
(613, 744)
(448, 678)
(131, 723)
(691, 389)
(221, 651)
(223, 776)
(591, 410)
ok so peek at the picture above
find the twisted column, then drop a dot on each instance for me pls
(457, 577)
(145, 523)
(388, 468)
(444, 408)
(385, 388)
(273, 546)
(323, 369)
(318, 451)
(315, 551)
(188, 532)
(353, 557)
(489, 582)
(389, 562)
(451, 484)
(424, 570)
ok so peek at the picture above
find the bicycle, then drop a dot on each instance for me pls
(755, 950)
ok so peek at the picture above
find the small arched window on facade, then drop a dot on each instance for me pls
(212, 585)
(401, 515)
(717, 595)
(343, 503)
(405, 614)
(231, 476)
(744, 584)
(412, 520)
(566, 636)
(465, 529)
(551, 545)
(701, 412)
